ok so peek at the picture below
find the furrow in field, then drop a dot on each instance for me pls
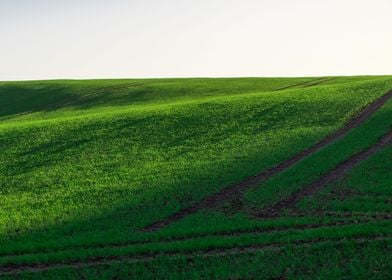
(223, 234)
(14, 269)
(237, 189)
(316, 83)
(340, 214)
(340, 170)
(304, 84)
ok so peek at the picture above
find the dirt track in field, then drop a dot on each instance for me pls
(307, 83)
(340, 214)
(14, 269)
(227, 233)
(336, 173)
(236, 190)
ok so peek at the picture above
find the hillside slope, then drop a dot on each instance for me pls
(86, 165)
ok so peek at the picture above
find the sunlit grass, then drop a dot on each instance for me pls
(87, 161)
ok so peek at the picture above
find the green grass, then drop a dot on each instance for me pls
(44, 99)
(325, 261)
(311, 168)
(87, 163)
(367, 188)
(365, 230)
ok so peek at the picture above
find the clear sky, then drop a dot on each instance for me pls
(46, 39)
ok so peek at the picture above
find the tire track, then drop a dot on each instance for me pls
(340, 214)
(15, 269)
(316, 83)
(236, 189)
(304, 84)
(336, 173)
(223, 234)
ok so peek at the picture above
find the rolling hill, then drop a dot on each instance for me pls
(196, 178)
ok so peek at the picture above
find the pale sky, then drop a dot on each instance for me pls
(48, 39)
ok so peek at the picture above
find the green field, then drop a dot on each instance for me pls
(87, 165)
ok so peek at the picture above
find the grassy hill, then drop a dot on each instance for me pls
(87, 166)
